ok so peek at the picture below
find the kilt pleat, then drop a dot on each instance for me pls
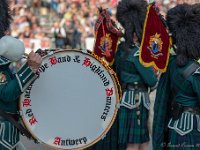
(129, 130)
(190, 141)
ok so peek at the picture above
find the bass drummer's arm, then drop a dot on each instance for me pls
(11, 90)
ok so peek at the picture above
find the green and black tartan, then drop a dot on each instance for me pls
(110, 142)
(129, 71)
(163, 137)
(129, 130)
(190, 141)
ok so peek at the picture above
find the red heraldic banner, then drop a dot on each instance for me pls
(107, 36)
(156, 43)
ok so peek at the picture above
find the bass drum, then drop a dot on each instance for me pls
(74, 101)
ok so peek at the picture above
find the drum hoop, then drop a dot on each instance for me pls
(118, 93)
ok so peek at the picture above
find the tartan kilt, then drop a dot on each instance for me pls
(129, 130)
(110, 142)
(190, 141)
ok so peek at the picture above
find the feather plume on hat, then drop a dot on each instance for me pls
(184, 24)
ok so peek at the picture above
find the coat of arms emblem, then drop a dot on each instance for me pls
(155, 45)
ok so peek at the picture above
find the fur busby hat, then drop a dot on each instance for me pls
(5, 17)
(131, 14)
(184, 24)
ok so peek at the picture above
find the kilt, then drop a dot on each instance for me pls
(190, 141)
(110, 142)
(129, 130)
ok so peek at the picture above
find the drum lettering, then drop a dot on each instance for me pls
(107, 108)
(80, 141)
(93, 68)
(29, 112)
(104, 79)
(108, 100)
(106, 83)
(101, 76)
(43, 67)
(53, 60)
(61, 59)
(77, 140)
(77, 59)
(57, 141)
(71, 142)
(27, 93)
(68, 58)
(84, 140)
(98, 70)
(63, 143)
(104, 116)
(32, 120)
(86, 62)
(26, 103)
(68, 142)
(109, 92)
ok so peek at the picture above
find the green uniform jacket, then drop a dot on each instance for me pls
(131, 70)
(11, 87)
(172, 86)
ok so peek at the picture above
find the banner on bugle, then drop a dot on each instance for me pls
(106, 37)
(156, 43)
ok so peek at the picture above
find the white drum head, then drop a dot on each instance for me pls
(73, 103)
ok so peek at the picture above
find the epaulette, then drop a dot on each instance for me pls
(197, 71)
(192, 69)
(137, 53)
(4, 61)
(25, 76)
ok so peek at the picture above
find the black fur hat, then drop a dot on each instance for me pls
(5, 17)
(184, 24)
(131, 15)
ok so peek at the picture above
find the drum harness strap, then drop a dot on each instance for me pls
(13, 118)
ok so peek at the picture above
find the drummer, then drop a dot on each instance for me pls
(11, 86)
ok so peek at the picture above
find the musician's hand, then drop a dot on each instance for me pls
(34, 61)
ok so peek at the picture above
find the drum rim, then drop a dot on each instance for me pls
(117, 92)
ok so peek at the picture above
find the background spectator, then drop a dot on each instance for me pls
(34, 20)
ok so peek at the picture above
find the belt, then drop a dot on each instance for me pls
(193, 110)
(138, 86)
(14, 116)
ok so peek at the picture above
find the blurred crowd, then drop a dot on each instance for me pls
(62, 23)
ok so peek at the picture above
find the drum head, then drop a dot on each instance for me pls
(73, 103)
